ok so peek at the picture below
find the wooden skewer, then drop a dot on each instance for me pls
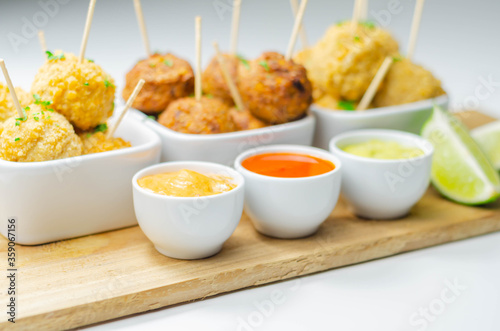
(43, 45)
(228, 79)
(129, 103)
(415, 25)
(303, 35)
(197, 77)
(12, 90)
(356, 14)
(236, 26)
(363, 10)
(142, 26)
(375, 83)
(86, 31)
(296, 27)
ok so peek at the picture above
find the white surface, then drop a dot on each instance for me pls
(189, 227)
(383, 189)
(458, 40)
(290, 207)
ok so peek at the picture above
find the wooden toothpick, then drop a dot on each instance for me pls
(129, 103)
(303, 35)
(20, 111)
(86, 31)
(228, 79)
(43, 45)
(375, 83)
(296, 27)
(197, 78)
(142, 26)
(235, 26)
(415, 26)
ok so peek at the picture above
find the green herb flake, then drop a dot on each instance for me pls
(168, 63)
(27, 108)
(18, 123)
(107, 83)
(17, 139)
(356, 38)
(368, 24)
(36, 118)
(103, 127)
(152, 65)
(92, 61)
(210, 96)
(86, 84)
(151, 117)
(244, 62)
(264, 65)
(396, 58)
(52, 57)
(88, 135)
(346, 105)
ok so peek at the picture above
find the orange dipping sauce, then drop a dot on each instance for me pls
(287, 165)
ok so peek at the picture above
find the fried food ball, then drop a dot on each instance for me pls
(43, 136)
(98, 142)
(244, 120)
(407, 82)
(82, 92)
(206, 116)
(343, 63)
(275, 90)
(213, 81)
(7, 108)
(167, 78)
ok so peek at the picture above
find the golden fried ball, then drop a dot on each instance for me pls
(43, 136)
(213, 81)
(244, 120)
(7, 108)
(343, 63)
(206, 116)
(98, 142)
(275, 90)
(82, 92)
(167, 78)
(407, 82)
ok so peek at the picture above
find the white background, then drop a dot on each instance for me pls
(458, 41)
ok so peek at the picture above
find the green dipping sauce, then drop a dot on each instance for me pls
(384, 150)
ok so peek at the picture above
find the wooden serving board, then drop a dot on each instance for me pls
(100, 277)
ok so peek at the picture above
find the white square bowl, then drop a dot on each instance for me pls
(77, 196)
(408, 117)
(223, 148)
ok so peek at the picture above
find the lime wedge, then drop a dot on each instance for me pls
(488, 137)
(460, 169)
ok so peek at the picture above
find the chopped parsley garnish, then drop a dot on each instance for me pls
(244, 61)
(27, 108)
(107, 83)
(51, 56)
(90, 60)
(86, 84)
(368, 24)
(396, 58)
(264, 65)
(103, 127)
(38, 101)
(36, 118)
(88, 135)
(152, 65)
(151, 117)
(168, 63)
(356, 38)
(18, 123)
(25, 116)
(346, 105)
(17, 139)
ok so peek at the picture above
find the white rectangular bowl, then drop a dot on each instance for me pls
(409, 117)
(77, 196)
(223, 148)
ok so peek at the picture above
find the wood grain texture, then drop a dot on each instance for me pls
(100, 277)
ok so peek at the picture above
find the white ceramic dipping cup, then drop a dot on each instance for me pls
(290, 207)
(189, 227)
(383, 189)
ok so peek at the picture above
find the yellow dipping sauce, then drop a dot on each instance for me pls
(386, 150)
(186, 183)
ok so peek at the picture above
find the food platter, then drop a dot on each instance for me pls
(113, 274)
(251, 172)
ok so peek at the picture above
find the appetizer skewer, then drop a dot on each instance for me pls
(303, 35)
